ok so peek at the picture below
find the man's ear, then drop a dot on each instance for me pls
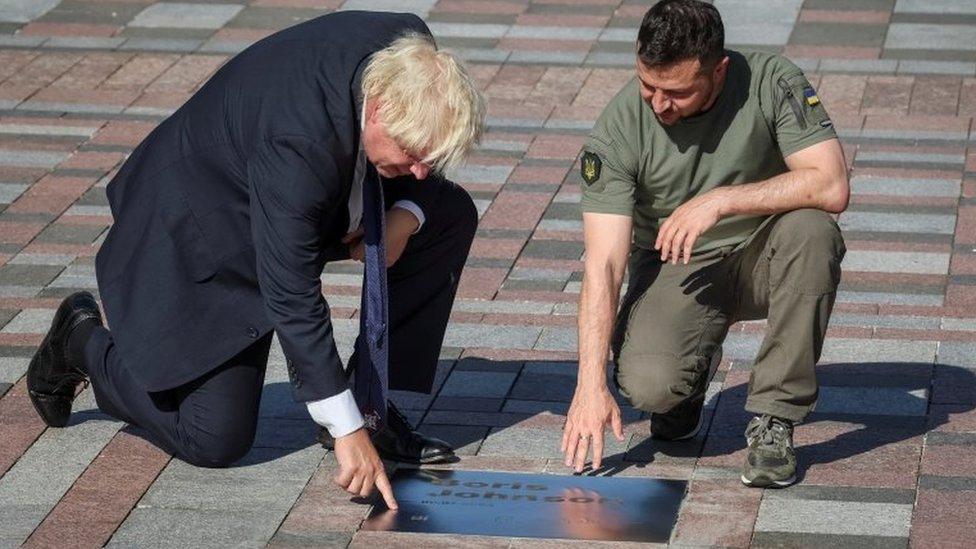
(721, 67)
(372, 109)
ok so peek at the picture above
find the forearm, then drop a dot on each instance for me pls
(597, 308)
(793, 190)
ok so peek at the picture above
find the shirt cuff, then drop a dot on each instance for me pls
(339, 414)
(413, 208)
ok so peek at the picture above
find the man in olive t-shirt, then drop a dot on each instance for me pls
(711, 176)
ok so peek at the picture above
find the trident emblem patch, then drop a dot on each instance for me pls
(590, 165)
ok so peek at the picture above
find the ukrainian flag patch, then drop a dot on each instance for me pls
(811, 96)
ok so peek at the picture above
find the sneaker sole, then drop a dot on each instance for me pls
(764, 482)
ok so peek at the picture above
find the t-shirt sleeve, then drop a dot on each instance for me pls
(608, 176)
(800, 119)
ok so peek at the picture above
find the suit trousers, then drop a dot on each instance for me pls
(211, 421)
(675, 317)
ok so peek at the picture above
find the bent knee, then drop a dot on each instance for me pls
(655, 382)
(217, 452)
(812, 231)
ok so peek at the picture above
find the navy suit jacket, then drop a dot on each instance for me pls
(226, 213)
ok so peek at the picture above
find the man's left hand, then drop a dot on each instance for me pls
(677, 235)
(400, 225)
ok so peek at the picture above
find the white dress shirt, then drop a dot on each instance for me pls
(340, 413)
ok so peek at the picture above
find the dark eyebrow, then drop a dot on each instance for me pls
(645, 84)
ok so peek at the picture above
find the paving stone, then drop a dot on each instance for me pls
(506, 337)
(935, 6)
(872, 401)
(30, 321)
(915, 66)
(185, 15)
(535, 443)
(930, 37)
(905, 187)
(896, 262)
(468, 30)
(834, 517)
(935, 300)
(557, 339)
(12, 368)
(419, 7)
(162, 527)
(478, 384)
(879, 351)
(466, 439)
(24, 11)
(32, 159)
(28, 275)
(897, 222)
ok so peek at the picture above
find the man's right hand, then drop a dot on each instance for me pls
(360, 467)
(589, 413)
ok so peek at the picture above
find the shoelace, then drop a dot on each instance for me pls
(70, 380)
(769, 431)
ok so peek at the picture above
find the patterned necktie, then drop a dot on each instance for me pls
(372, 381)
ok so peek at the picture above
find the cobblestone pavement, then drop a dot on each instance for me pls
(888, 459)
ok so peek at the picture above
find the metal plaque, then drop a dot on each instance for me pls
(530, 505)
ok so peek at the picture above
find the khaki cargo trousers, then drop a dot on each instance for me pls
(674, 317)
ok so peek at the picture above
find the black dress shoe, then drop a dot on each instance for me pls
(52, 378)
(398, 441)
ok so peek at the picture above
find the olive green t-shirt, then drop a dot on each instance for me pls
(633, 165)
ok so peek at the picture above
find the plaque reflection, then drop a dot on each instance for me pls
(531, 505)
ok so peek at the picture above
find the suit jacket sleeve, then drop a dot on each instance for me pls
(293, 185)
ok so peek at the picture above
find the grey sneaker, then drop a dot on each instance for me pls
(772, 461)
(685, 420)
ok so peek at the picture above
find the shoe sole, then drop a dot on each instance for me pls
(765, 482)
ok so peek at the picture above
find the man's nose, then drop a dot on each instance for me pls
(420, 171)
(660, 102)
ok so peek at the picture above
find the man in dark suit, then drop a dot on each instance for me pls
(224, 218)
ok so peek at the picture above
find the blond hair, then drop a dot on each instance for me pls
(428, 101)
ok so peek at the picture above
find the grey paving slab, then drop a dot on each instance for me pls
(166, 528)
(547, 57)
(177, 45)
(890, 298)
(480, 174)
(906, 158)
(511, 307)
(553, 33)
(45, 129)
(741, 346)
(853, 220)
(28, 275)
(483, 55)
(231, 47)
(961, 324)
(10, 191)
(16, 519)
(503, 337)
(466, 439)
(32, 159)
(878, 350)
(936, 6)
(535, 443)
(834, 517)
(957, 353)
(917, 66)
(52, 464)
(21, 41)
(85, 42)
(743, 27)
(906, 187)
(186, 15)
(478, 384)
(872, 401)
(859, 65)
(79, 108)
(557, 338)
(30, 321)
(19, 291)
(896, 262)
(24, 11)
(76, 276)
(419, 7)
(12, 368)
(886, 321)
(468, 30)
(931, 37)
